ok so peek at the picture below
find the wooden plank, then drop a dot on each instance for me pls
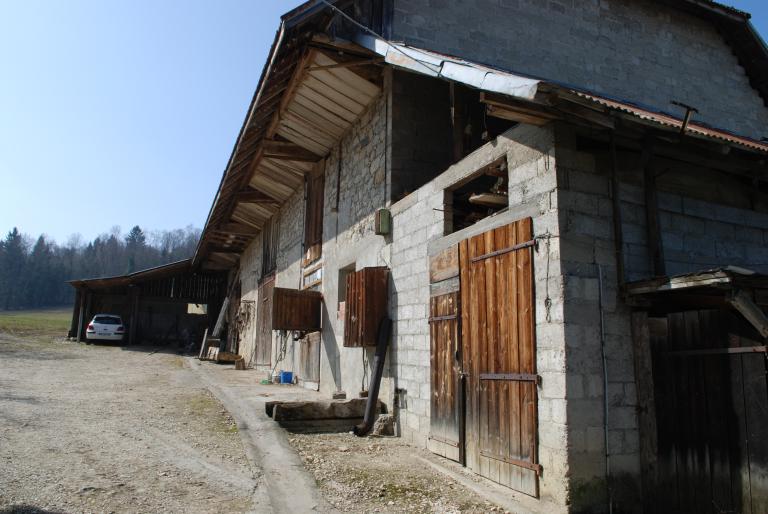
(309, 357)
(289, 151)
(294, 309)
(512, 281)
(446, 286)
(444, 265)
(646, 408)
(344, 107)
(264, 323)
(502, 361)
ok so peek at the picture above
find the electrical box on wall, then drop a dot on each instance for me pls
(383, 222)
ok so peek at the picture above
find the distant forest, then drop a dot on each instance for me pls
(33, 272)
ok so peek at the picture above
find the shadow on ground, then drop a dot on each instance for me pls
(27, 509)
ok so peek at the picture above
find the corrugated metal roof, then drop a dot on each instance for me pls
(488, 79)
(668, 120)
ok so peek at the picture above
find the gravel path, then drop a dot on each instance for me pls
(91, 428)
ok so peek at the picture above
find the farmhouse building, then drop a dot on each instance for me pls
(561, 206)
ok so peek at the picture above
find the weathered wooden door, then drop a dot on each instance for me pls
(264, 322)
(446, 435)
(499, 358)
(309, 360)
(711, 396)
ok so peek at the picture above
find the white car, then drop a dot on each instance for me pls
(105, 327)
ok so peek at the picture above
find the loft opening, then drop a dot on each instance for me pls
(481, 195)
(435, 123)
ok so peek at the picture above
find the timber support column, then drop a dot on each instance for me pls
(134, 322)
(82, 313)
(74, 325)
(646, 407)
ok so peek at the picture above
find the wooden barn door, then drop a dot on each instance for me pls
(446, 436)
(499, 359)
(711, 395)
(264, 323)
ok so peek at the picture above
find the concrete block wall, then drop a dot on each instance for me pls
(418, 231)
(589, 282)
(707, 220)
(640, 50)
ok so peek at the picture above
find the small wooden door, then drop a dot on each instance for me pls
(264, 322)
(446, 400)
(499, 361)
(309, 360)
(711, 396)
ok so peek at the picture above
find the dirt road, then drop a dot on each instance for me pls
(96, 428)
(104, 429)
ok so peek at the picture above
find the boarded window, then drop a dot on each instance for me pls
(270, 240)
(313, 220)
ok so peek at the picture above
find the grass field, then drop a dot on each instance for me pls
(44, 322)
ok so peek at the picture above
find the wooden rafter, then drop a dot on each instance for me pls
(288, 151)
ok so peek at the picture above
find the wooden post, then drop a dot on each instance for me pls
(653, 227)
(134, 294)
(74, 325)
(646, 406)
(81, 324)
(457, 122)
(618, 229)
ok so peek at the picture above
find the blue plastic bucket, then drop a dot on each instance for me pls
(286, 377)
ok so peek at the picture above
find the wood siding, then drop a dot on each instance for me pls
(711, 415)
(446, 400)
(296, 310)
(264, 323)
(498, 348)
(313, 216)
(366, 305)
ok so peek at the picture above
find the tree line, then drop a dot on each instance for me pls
(34, 272)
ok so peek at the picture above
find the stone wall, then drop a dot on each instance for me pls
(356, 171)
(639, 50)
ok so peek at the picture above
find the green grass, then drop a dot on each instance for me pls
(43, 322)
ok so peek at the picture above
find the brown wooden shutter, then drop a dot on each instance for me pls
(313, 216)
(366, 305)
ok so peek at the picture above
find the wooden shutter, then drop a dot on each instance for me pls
(264, 323)
(313, 216)
(366, 305)
(269, 245)
(498, 347)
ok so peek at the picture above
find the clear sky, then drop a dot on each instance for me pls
(124, 112)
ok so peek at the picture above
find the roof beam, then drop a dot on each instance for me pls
(287, 151)
(251, 195)
(237, 229)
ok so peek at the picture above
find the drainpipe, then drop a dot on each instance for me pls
(382, 343)
(605, 390)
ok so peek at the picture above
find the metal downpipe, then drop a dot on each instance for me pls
(385, 327)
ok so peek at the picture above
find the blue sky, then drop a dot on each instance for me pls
(125, 112)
